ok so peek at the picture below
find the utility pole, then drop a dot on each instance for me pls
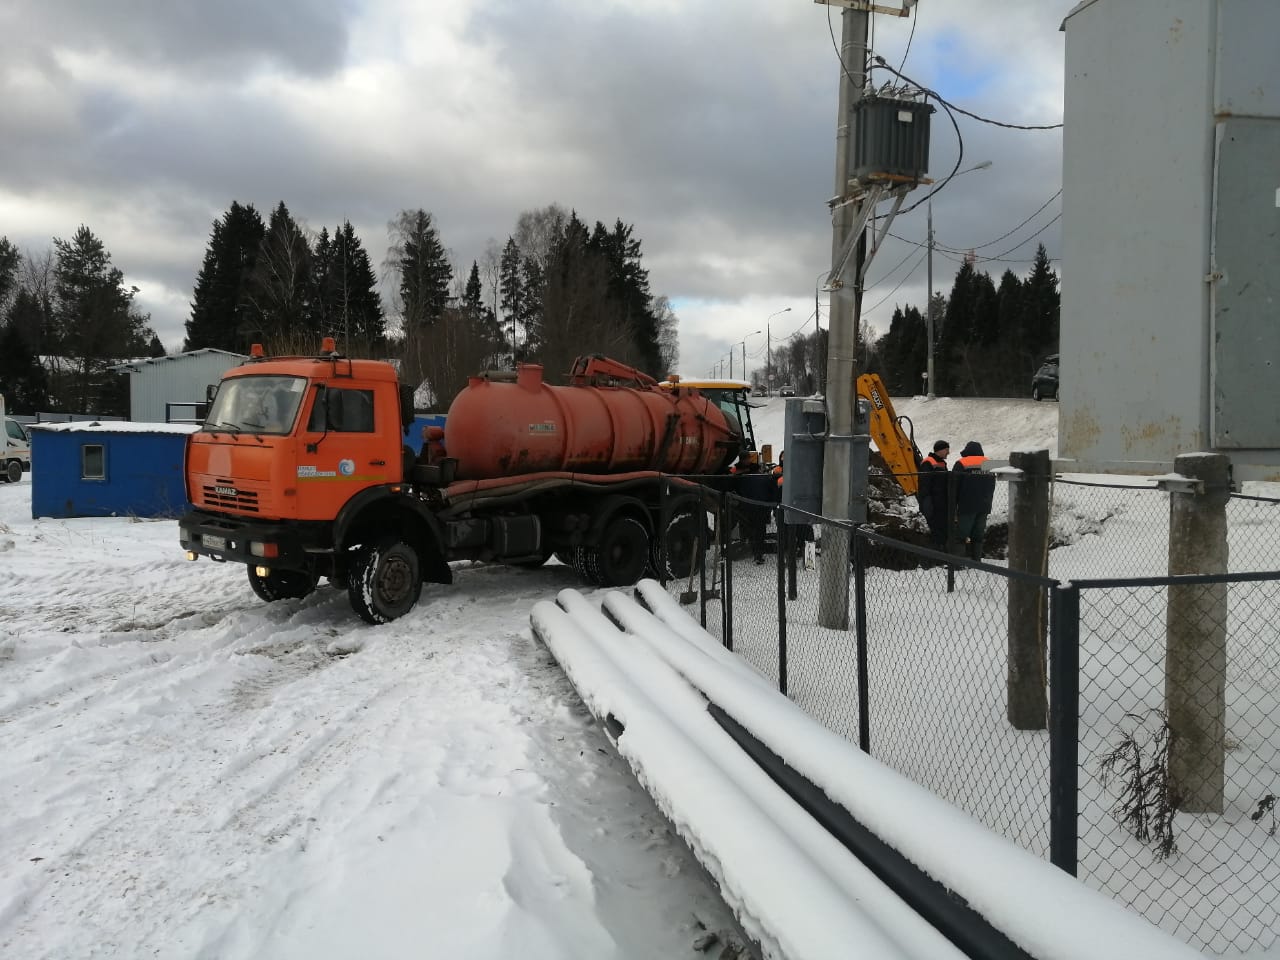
(928, 313)
(768, 361)
(837, 474)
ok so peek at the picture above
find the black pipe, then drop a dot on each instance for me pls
(945, 910)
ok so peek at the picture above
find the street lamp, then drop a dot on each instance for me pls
(743, 344)
(768, 355)
(928, 309)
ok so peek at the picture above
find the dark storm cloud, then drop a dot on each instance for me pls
(190, 36)
(711, 128)
(694, 118)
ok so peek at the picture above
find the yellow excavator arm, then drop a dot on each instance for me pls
(894, 445)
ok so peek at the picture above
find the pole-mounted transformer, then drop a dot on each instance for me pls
(891, 139)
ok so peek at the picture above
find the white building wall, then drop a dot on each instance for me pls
(1171, 214)
(1137, 187)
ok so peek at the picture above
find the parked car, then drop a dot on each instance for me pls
(787, 390)
(1045, 382)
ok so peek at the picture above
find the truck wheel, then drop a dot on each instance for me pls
(281, 584)
(680, 544)
(385, 580)
(13, 471)
(1036, 395)
(584, 562)
(623, 552)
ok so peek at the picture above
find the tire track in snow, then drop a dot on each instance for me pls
(260, 764)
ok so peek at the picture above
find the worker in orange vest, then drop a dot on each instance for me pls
(975, 489)
(932, 495)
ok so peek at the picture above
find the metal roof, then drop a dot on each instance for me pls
(139, 364)
(1074, 10)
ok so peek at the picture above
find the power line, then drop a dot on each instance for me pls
(879, 61)
(992, 243)
(1023, 242)
(909, 275)
(911, 36)
(960, 254)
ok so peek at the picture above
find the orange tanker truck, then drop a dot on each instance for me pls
(300, 471)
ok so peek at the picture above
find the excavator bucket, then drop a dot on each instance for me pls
(894, 445)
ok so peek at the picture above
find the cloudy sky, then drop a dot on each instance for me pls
(708, 126)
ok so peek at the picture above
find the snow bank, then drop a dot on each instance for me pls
(651, 678)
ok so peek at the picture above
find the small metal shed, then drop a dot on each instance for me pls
(172, 389)
(105, 469)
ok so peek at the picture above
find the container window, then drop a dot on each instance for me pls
(93, 462)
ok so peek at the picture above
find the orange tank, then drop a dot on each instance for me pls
(504, 426)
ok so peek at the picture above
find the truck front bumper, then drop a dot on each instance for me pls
(284, 546)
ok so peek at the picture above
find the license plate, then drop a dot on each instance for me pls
(214, 543)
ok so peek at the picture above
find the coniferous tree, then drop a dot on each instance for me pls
(22, 378)
(9, 262)
(628, 293)
(533, 283)
(280, 288)
(222, 312)
(347, 304)
(1042, 303)
(419, 261)
(1008, 358)
(511, 292)
(30, 316)
(954, 329)
(574, 305)
(486, 332)
(93, 322)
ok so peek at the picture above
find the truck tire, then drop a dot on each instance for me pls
(13, 471)
(622, 554)
(584, 562)
(675, 551)
(385, 580)
(1036, 395)
(281, 584)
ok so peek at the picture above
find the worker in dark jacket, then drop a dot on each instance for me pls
(755, 485)
(932, 495)
(975, 490)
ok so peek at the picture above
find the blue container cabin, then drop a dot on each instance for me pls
(108, 469)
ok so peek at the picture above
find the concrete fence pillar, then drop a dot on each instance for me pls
(1196, 635)
(1028, 706)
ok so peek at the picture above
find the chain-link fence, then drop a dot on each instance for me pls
(1179, 766)
(1048, 708)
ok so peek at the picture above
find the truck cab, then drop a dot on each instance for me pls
(15, 448)
(733, 397)
(296, 439)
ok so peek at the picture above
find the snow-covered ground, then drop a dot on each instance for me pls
(188, 772)
(1000, 425)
